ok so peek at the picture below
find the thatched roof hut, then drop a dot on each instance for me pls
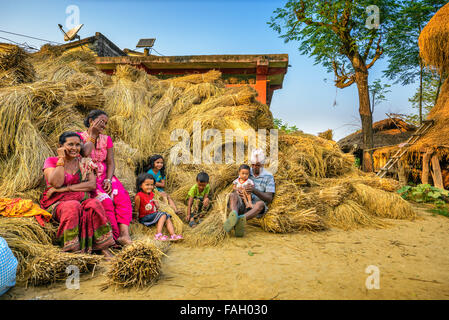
(386, 133)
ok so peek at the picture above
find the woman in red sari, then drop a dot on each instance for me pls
(83, 225)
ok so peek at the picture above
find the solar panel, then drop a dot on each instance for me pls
(145, 43)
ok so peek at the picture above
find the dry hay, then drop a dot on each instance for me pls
(53, 265)
(210, 232)
(39, 261)
(433, 41)
(383, 204)
(138, 264)
(328, 135)
(350, 215)
(15, 67)
(125, 164)
(291, 210)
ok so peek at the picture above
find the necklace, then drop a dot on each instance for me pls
(72, 166)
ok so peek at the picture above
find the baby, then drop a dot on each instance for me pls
(241, 182)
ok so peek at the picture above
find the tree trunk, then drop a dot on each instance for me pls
(361, 75)
(420, 90)
(436, 172)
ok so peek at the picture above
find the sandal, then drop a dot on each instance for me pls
(176, 237)
(160, 237)
(192, 224)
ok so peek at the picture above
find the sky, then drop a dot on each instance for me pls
(201, 27)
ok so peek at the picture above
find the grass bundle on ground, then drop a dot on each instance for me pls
(383, 204)
(39, 261)
(350, 215)
(138, 264)
(52, 265)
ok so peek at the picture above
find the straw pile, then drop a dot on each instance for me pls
(15, 67)
(315, 181)
(433, 41)
(39, 261)
(139, 265)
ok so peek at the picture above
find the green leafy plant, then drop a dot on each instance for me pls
(425, 193)
(280, 125)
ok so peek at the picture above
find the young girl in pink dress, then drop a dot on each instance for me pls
(113, 196)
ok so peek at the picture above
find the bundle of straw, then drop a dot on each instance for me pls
(15, 67)
(138, 264)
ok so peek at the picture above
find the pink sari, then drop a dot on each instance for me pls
(83, 225)
(117, 205)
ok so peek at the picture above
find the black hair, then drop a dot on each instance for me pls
(63, 137)
(202, 177)
(141, 179)
(152, 160)
(94, 114)
(244, 166)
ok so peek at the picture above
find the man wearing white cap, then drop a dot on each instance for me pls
(262, 194)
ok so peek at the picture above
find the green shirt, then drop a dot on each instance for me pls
(196, 194)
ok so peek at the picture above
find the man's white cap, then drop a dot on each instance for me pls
(257, 156)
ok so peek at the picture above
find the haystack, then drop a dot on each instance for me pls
(138, 265)
(433, 41)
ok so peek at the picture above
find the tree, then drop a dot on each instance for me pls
(344, 37)
(405, 64)
(425, 97)
(378, 92)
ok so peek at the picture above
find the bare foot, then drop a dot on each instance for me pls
(124, 240)
(107, 254)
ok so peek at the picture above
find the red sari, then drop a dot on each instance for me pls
(83, 225)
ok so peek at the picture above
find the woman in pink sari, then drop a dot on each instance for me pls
(83, 225)
(109, 191)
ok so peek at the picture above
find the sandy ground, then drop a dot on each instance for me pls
(412, 257)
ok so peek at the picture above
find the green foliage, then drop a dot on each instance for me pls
(401, 47)
(280, 125)
(431, 86)
(424, 193)
(378, 92)
(333, 31)
(357, 162)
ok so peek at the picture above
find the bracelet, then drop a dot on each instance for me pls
(92, 139)
(60, 162)
(107, 180)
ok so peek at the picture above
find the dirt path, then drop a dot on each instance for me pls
(412, 257)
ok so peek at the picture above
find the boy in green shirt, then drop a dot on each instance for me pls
(198, 199)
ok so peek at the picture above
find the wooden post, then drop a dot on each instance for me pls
(436, 172)
(425, 166)
(402, 173)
